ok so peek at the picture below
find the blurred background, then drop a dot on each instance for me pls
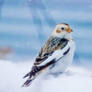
(26, 24)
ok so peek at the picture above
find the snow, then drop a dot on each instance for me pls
(75, 79)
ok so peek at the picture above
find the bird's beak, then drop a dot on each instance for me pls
(69, 30)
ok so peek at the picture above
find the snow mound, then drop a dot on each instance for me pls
(74, 79)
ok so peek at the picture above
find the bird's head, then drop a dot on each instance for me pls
(62, 30)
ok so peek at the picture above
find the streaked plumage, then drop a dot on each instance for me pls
(56, 54)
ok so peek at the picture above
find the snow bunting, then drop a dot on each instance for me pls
(56, 54)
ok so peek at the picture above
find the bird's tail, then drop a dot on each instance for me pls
(29, 80)
(36, 70)
(31, 76)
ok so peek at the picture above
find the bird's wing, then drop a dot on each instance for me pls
(54, 48)
(52, 51)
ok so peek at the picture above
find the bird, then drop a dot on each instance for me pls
(56, 55)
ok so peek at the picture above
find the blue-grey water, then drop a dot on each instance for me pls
(26, 24)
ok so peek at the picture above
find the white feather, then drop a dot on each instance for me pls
(56, 55)
(65, 61)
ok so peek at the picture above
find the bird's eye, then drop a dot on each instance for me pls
(62, 28)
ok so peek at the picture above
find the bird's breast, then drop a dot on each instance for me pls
(65, 61)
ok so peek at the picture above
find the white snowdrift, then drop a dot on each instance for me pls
(74, 80)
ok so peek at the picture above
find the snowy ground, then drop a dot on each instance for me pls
(74, 80)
